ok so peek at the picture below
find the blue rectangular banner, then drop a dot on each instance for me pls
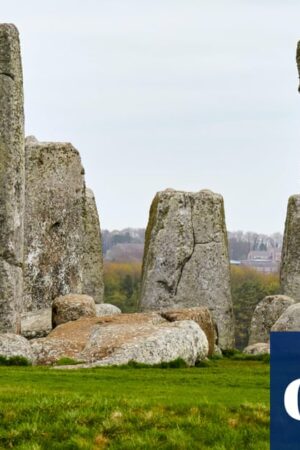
(285, 383)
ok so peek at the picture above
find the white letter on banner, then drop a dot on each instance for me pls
(291, 399)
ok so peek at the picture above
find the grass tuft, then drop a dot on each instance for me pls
(237, 355)
(14, 361)
(178, 363)
(67, 362)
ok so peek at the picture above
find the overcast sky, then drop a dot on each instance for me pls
(156, 94)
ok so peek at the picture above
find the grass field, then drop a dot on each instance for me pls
(222, 406)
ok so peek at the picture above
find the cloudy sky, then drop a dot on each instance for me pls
(155, 94)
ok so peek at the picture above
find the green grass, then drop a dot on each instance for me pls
(14, 361)
(224, 405)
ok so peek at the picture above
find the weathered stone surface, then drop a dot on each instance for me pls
(183, 339)
(199, 315)
(290, 260)
(186, 261)
(265, 315)
(54, 223)
(11, 178)
(48, 351)
(260, 348)
(289, 319)
(15, 345)
(36, 324)
(107, 310)
(93, 284)
(118, 339)
(62, 233)
(71, 307)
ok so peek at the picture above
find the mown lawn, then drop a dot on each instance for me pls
(223, 406)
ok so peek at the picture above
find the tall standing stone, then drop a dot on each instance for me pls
(93, 261)
(186, 262)
(11, 178)
(63, 251)
(54, 223)
(290, 259)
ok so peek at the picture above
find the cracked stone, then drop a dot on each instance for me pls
(186, 262)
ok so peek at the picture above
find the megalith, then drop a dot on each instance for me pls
(186, 262)
(266, 313)
(11, 178)
(290, 259)
(93, 284)
(62, 252)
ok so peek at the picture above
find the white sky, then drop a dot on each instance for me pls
(157, 94)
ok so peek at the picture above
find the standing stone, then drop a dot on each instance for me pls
(289, 319)
(186, 262)
(11, 178)
(266, 313)
(290, 260)
(93, 262)
(54, 223)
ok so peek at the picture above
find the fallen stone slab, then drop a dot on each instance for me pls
(201, 316)
(15, 345)
(118, 339)
(183, 339)
(36, 324)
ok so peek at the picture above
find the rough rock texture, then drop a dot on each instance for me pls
(118, 339)
(54, 223)
(186, 261)
(265, 315)
(260, 348)
(11, 178)
(290, 259)
(289, 320)
(93, 284)
(183, 339)
(107, 309)
(71, 307)
(36, 324)
(15, 345)
(218, 351)
(199, 315)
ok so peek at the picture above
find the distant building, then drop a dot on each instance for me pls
(264, 261)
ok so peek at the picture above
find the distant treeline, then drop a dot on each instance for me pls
(131, 240)
(249, 287)
(123, 281)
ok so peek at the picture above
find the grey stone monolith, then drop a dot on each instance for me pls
(54, 223)
(186, 262)
(266, 313)
(290, 259)
(93, 284)
(11, 178)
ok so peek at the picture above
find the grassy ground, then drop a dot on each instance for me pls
(222, 406)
